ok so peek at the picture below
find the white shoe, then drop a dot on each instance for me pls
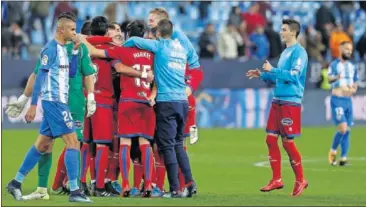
(39, 194)
(194, 134)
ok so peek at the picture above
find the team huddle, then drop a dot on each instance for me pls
(138, 108)
(118, 96)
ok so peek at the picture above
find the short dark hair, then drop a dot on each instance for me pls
(293, 24)
(345, 42)
(67, 15)
(153, 31)
(165, 27)
(85, 29)
(99, 25)
(135, 29)
(124, 25)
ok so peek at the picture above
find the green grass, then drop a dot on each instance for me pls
(223, 163)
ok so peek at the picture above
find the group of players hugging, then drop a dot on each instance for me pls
(112, 102)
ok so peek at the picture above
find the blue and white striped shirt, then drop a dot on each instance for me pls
(54, 59)
(347, 71)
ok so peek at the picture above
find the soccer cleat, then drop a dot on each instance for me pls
(60, 191)
(79, 197)
(299, 187)
(190, 190)
(273, 185)
(156, 192)
(193, 134)
(134, 192)
(14, 188)
(332, 158)
(85, 189)
(343, 162)
(109, 188)
(147, 193)
(126, 191)
(103, 193)
(93, 187)
(173, 194)
(117, 186)
(39, 194)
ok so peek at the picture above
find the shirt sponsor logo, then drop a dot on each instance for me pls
(78, 124)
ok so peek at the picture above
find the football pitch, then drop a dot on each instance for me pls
(229, 166)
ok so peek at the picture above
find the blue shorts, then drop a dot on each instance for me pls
(57, 120)
(342, 110)
(170, 123)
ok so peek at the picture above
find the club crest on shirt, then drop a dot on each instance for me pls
(287, 121)
(69, 124)
(44, 60)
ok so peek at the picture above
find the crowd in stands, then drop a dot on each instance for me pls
(247, 30)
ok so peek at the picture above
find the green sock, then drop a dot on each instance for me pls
(44, 167)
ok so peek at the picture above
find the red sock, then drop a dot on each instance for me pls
(160, 170)
(113, 163)
(101, 163)
(137, 173)
(84, 162)
(124, 163)
(274, 156)
(92, 167)
(295, 159)
(147, 163)
(60, 171)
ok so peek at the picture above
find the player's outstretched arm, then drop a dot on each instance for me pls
(298, 62)
(268, 77)
(128, 71)
(145, 44)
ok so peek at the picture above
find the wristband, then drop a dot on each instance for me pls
(23, 98)
(75, 52)
(91, 96)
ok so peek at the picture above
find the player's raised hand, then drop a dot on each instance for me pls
(31, 113)
(77, 42)
(91, 105)
(253, 73)
(14, 109)
(267, 66)
(150, 77)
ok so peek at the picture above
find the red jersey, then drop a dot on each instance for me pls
(133, 88)
(193, 78)
(103, 87)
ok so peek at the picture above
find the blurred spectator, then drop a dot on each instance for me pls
(274, 39)
(363, 5)
(228, 42)
(260, 45)
(61, 7)
(325, 22)
(263, 8)
(336, 37)
(203, 8)
(14, 10)
(111, 11)
(243, 50)
(314, 45)
(18, 39)
(345, 10)
(207, 42)
(361, 46)
(253, 18)
(235, 16)
(38, 10)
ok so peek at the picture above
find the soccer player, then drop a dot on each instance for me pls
(76, 104)
(172, 107)
(285, 114)
(52, 84)
(193, 76)
(343, 76)
(136, 118)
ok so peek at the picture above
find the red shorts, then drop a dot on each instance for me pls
(136, 120)
(191, 118)
(99, 127)
(284, 119)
